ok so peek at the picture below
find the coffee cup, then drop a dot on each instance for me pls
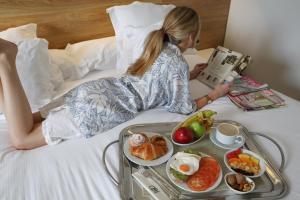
(228, 134)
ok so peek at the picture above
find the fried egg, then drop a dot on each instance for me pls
(186, 163)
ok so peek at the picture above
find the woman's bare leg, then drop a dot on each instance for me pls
(1, 98)
(24, 133)
(37, 117)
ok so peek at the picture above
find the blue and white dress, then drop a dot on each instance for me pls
(99, 105)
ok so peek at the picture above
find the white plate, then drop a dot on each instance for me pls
(249, 180)
(212, 137)
(149, 163)
(261, 162)
(183, 185)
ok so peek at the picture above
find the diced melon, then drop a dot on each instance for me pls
(255, 160)
(244, 157)
(234, 160)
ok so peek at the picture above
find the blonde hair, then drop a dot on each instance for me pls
(179, 24)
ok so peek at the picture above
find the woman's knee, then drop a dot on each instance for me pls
(20, 143)
(31, 140)
(27, 143)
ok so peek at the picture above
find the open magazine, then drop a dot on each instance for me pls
(221, 64)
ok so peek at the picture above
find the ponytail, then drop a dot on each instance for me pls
(178, 25)
(153, 47)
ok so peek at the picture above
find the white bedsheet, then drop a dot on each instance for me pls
(74, 169)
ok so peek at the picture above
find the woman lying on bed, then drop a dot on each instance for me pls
(159, 78)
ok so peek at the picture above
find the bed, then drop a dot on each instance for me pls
(74, 169)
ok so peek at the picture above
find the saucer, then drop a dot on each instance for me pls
(212, 137)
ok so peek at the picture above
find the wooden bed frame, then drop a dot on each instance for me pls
(62, 22)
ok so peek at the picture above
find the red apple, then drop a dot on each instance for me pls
(183, 135)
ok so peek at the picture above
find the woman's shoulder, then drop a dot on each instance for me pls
(174, 57)
(169, 61)
(170, 50)
(171, 54)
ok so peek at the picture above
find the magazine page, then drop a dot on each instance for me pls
(220, 64)
(246, 84)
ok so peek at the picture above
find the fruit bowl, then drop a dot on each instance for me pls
(185, 144)
(248, 159)
(193, 129)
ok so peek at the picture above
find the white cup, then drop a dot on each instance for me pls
(228, 134)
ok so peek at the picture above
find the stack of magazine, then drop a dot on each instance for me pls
(249, 95)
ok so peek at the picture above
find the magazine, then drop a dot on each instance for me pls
(246, 84)
(259, 100)
(245, 92)
(221, 64)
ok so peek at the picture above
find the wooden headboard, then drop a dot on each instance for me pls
(62, 22)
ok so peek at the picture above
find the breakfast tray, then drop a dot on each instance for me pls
(271, 185)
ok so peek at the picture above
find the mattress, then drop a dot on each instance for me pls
(74, 170)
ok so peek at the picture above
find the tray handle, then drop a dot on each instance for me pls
(104, 162)
(282, 164)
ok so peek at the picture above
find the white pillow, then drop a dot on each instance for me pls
(65, 62)
(80, 58)
(98, 54)
(17, 34)
(37, 76)
(35, 72)
(131, 46)
(132, 24)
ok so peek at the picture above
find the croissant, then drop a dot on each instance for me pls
(150, 150)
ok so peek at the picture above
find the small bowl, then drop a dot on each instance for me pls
(249, 180)
(261, 162)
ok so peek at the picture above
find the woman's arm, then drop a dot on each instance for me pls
(219, 91)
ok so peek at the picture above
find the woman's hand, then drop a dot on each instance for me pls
(197, 70)
(219, 91)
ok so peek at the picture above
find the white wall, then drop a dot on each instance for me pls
(269, 31)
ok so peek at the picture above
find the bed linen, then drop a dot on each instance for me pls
(74, 169)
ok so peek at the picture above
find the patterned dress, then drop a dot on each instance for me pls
(99, 105)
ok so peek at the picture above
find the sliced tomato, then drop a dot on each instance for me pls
(206, 175)
(210, 164)
(207, 160)
(198, 183)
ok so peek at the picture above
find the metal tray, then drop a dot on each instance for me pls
(271, 185)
